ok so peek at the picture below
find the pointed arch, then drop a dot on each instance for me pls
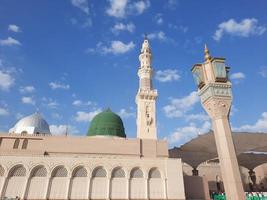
(16, 181)
(59, 183)
(99, 183)
(37, 184)
(118, 184)
(155, 184)
(137, 184)
(79, 184)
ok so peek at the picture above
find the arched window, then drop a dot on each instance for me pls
(118, 173)
(18, 171)
(79, 172)
(60, 171)
(24, 133)
(16, 144)
(137, 173)
(2, 171)
(99, 172)
(25, 144)
(39, 171)
(154, 173)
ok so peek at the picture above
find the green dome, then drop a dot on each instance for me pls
(107, 123)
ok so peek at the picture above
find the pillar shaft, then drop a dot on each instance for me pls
(228, 161)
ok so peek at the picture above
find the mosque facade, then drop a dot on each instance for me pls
(105, 164)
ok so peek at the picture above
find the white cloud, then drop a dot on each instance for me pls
(19, 116)
(197, 117)
(159, 19)
(14, 28)
(179, 107)
(123, 27)
(28, 100)
(63, 129)
(167, 75)
(237, 76)
(126, 114)
(86, 116)
(6, 80)
(247, 27)
(4, 112)
(263, 71)
(259, 126)
(184, 134)
(57, 85)
(87, 23)
(56, 115)
(81, 4)
(139, 6)
(9, 42)
(27, 89)
(122, 8)
(157, 35)
(118, 47)
(81, 103)
(52, 104)
(172, 4)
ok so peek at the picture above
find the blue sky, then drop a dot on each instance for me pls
(70, 59)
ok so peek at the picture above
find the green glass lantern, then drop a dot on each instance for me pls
(220, 71)
(198, 75)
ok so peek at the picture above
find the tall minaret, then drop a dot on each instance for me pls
(146, 96)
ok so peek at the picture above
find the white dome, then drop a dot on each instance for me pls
(32, 124)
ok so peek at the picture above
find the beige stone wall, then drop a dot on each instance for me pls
(58, 167)
(83, 145)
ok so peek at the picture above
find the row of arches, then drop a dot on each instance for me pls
(79, 171)
(79, 186)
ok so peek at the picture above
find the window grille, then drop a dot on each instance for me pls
(25, 144)
(39, 172)
(118, 173)
(16, 144)
(99, 172)
(18, 171)
(154, 173)
(80, 172)
(60, 172)
(2, 171)
(137, 173)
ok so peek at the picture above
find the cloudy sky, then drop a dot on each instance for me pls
(70, 59)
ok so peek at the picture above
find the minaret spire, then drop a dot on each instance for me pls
(146, 96)
(207, 53)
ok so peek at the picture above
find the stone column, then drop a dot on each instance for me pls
(165, 188)
(214, 89)
(146, 187)
(89, 186)
(218, 109)
(3, 188)
(108, 187)
(25, 187)
(128, 188)
(69, 186)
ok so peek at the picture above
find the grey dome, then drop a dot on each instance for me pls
(32, 124)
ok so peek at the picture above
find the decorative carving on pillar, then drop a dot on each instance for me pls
(214, 89)
(217, 107)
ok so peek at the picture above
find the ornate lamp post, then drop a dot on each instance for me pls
(214, 89)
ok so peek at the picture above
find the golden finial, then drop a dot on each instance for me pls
(207, 54)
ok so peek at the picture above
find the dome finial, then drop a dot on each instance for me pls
(207, 53)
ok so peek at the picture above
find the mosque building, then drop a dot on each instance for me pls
(105, 164)
(35, 164)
